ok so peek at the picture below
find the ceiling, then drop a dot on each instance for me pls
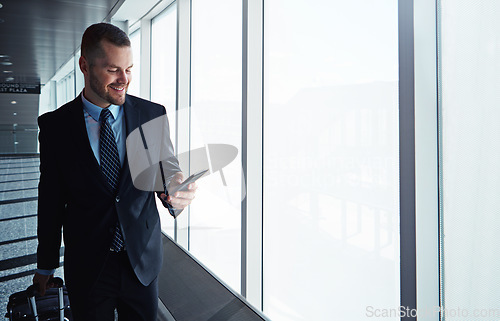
(36, 38)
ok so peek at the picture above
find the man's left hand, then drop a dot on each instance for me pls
(180, 199)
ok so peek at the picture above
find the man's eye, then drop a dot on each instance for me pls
(112, 70)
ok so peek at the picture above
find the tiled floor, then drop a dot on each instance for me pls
(18, 208)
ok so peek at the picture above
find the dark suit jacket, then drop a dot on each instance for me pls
(74, 196)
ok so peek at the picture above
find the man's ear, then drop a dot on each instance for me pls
(84, 65)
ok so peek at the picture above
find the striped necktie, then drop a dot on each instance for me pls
(110, 167)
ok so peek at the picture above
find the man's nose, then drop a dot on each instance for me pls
(123, 77)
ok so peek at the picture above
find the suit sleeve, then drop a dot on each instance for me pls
(51, 199)
(170, 162)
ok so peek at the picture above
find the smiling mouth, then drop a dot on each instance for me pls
(118, 88)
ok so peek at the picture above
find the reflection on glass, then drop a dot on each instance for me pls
(331, 209)
(163, 79)
(215, 230)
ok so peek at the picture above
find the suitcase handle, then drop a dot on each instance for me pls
(61, 303)
(53, 282)
(30, 293)
(32, 304)
(34, 288)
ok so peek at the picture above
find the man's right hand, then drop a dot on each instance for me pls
(43, 282)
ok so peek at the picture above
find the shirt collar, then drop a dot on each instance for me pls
(95, 111)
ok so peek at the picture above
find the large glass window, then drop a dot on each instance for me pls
(163, 61)
(470, 136)
(163, 79)
(331, 184)
(65, 90)
(135, 85)
(215, 221)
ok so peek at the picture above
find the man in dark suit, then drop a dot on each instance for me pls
(112, 232)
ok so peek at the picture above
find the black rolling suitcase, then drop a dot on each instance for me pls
(30, 306)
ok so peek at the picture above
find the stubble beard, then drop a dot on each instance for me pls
(101, 91)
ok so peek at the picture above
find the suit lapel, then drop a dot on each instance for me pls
(82, 145)
(132, 115)
(132, 121)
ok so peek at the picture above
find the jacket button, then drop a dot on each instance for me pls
(117, 199)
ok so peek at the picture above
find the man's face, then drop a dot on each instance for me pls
(107, 79)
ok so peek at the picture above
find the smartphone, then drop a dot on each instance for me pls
(183, 186)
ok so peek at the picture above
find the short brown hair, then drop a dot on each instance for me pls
(92, 37)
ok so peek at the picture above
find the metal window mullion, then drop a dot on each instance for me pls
(145, 64)
(442, 292)
(407, 157)
(252, 153)
(426, 161)
(183, 103)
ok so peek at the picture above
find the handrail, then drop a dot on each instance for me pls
(190, 291)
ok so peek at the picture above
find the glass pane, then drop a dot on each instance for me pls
(61, 92)
(135, 85)
(163, 79)
(215, 229)
(470, 136)
(331, 169)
